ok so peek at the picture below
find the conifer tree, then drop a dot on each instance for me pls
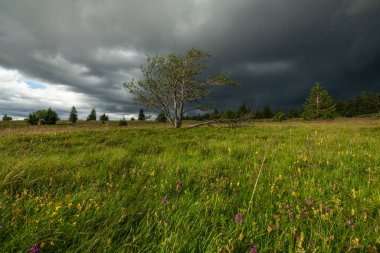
(73, 118)
(92, 115)
(141, 115)
(319, 104)
(103, 118)
(267, 113)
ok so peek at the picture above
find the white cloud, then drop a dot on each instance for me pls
(20, 96)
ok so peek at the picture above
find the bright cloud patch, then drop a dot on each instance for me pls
(20, 95)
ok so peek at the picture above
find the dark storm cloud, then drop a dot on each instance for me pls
(275, 49)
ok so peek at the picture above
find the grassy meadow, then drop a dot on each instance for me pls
(264, 187)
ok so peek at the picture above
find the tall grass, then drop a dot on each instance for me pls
(268, 187)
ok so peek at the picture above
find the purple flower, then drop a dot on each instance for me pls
(35, 248)
(309, 202)
(351, 224)
(253, 249)
(166, 201)
(179, 186)
(239, 218)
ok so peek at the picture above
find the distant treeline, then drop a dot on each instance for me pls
(365, 103)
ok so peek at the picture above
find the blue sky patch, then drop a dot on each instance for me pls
(35, 85)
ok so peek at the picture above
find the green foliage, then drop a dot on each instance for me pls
(293, 113)
(6, 117)
(256, 114)
(161, 117)
(364, 103)
(228, 114)
(141, 115)
(91, 191)
(43, 117)
(73, 117)
(172, 83)
(267, 113)
(103, 118)
(92, 115)
(243, 111)
(319, 104)
(279, 116)
(123, 122)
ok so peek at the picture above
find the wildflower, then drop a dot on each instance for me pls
(300, 239)
(353, 193)
(309, 202)
(239, 218)
(355, 242)
(179, 186)
(241, 237)
(351, 224)
(352, 212)
(253, 249)
(166, 201)
(35, 248)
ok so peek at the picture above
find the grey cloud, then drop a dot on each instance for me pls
(275, 49)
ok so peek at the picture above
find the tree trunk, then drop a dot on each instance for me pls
(177, 123)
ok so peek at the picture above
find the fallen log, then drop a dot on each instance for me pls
(230, 122)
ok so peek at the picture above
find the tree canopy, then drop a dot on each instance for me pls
(43, 117)
(319, 104)
(92, 115)
(172, 83)
(73, 117)
(141, 115)
(6, 117)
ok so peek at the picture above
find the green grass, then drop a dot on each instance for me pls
(311, 187)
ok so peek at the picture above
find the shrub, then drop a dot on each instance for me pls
(123, 122)
(43, 117)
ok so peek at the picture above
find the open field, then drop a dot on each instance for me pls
(274, 187)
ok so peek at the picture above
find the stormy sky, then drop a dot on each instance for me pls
(62, 53)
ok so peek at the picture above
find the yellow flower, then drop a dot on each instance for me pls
(354, 193)
(355, 242)
(57, 207)
(241, 237)
(352, 212)
(54, 214)
(300, 241)
(74, 223)
(69, 205)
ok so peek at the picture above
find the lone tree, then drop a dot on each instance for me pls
(103, 118)
(92, 115)
(161, 117)
(172, 83)
(73, 117)
(319, 104)
(141, 115)
(6, 117)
